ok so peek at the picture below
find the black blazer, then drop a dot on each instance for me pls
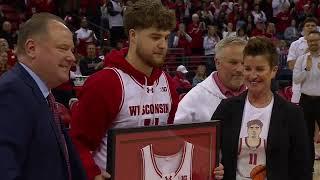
(287, 152)
(29, 146)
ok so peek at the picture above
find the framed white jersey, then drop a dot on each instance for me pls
(177, 166)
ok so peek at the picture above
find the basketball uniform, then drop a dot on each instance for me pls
(249, 157)
(141, 105)
(173, 167)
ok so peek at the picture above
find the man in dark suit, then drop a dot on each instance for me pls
(33, 144)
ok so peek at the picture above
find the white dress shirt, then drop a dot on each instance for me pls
(310, 80)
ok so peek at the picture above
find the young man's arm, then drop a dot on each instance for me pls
(98, 106)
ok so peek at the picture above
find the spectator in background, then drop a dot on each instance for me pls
(200, 75)
(11, 57)
(258, 15)
(283, 20)
(3, 62)
(271, 31)
(6, 33)
(209, 43)
(195, 30)
(90, 61)
(299, 48)
(279, 6)
(180, 10)
(306, 12)
(259, 30)
(207, 16)
(282, 49)
(182, 40)
(104, 21)
(266, 7)
(37, 6)
(115, 10)
(180, 81)
(229, 31)
(291, 33)
(234, 16)
(84, 36)
(250, 26)
(242, 33)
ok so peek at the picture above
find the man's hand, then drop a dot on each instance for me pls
(103, 176)
(218, 172)
(291, 64)
(309, 63)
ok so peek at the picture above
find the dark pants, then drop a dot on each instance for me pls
(311, 110)
(116, 34)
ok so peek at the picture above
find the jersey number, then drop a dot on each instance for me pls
(253, 158)
(150, 122)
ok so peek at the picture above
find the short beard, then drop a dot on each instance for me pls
(147, 59)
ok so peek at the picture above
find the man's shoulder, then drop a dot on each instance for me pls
(299, 41)
(10, 79)
(106, 78)
(203, 89)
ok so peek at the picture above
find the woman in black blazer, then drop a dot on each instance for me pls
(263, 136)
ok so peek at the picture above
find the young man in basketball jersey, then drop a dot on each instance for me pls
(131, 91)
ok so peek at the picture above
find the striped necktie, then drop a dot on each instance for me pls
(53, 107)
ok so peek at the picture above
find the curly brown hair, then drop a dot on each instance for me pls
(148, 13)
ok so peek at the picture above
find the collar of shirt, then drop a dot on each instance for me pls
(44, 89)
(225, 90)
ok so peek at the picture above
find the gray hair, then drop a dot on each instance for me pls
(227, 42)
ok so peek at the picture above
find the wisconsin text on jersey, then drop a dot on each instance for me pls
(149, 109)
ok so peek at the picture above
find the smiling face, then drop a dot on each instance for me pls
(52, 54)
(258, 74)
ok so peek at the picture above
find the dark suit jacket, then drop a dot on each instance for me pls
(29, 148)
(287, 152)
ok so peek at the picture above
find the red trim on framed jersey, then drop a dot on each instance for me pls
(143, 165)
(180, 164)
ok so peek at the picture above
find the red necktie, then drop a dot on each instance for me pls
(53, 106)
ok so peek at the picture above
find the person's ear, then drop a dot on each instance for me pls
(274, 71)
(132, 36)
(30, 48)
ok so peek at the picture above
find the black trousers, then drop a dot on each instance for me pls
(311, 110)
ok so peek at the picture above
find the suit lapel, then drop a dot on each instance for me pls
(237, 114)
(23, 74)
(277, 122)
